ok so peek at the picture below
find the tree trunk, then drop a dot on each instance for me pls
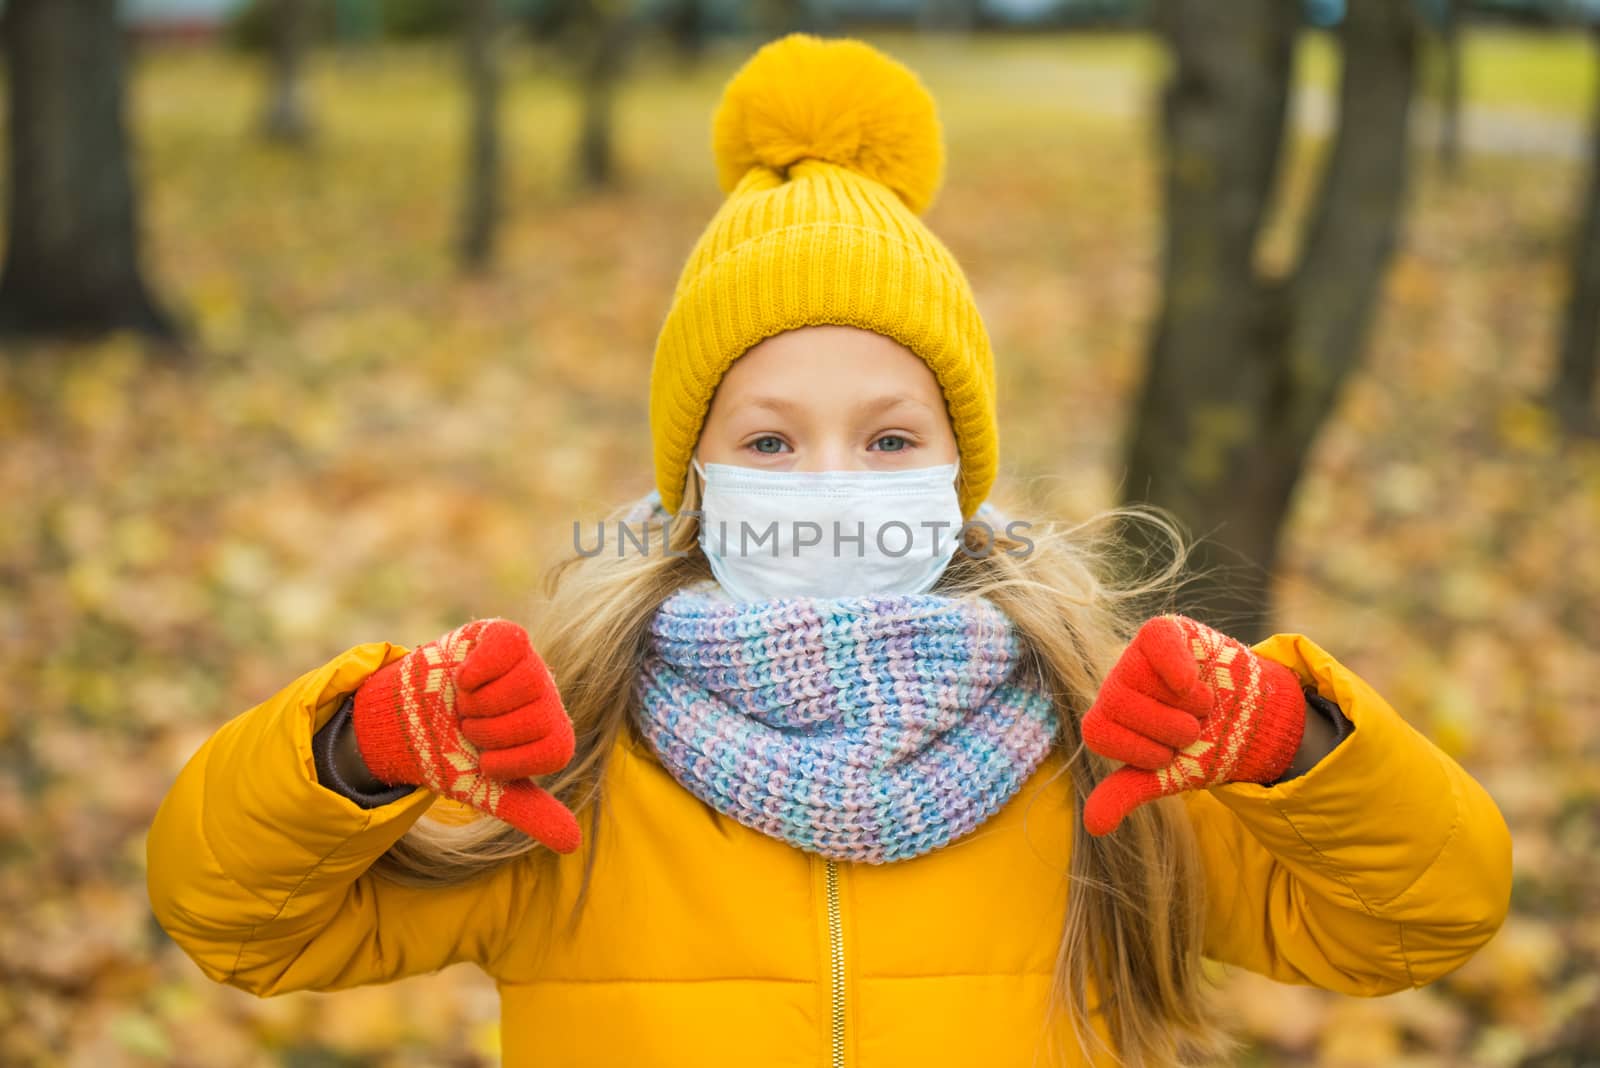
(72, 261)
(950, 16)
(1450, 86)
(774, 18)
(607, 31)
(1208, 381)
(1243, 369)
(1355, 222)
(285, 118)
(686, 25)
(481, 208)
(1572, 394)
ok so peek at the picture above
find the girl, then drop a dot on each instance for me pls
(845, 768)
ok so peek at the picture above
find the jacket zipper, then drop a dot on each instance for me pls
(836, 947)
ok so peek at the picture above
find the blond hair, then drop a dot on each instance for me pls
(1134, 921)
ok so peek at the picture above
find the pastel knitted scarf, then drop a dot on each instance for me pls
(859, 728)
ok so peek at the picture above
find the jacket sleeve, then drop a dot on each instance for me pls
(1383, 867)
(260, 873)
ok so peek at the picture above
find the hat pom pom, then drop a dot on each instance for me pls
(843, 101)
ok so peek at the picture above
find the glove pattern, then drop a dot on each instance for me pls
(1187, 707)
(472, 716)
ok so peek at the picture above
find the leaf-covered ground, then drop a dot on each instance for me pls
(369, 446)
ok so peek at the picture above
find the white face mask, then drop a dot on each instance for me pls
(773, 534)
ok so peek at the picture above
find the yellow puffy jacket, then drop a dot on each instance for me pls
(705, 943)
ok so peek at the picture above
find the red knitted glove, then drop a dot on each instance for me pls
(1187, 706)
(471, 716)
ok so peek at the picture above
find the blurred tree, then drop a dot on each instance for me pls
(72, 261)
(1243, 368)
(603, 30)
(420, 18)
(289, 24)
(1448, 23)
(1572, 394)
(356, 22)
(593, 39)
(481, 206)
(774, 18)
(688, 27)
(957, 16)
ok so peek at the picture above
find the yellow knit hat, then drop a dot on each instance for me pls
(827, 150)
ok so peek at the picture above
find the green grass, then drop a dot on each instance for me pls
(1517, 69)
(1538, 71)
(1511, 69)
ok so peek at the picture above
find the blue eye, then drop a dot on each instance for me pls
(768, 443)
(900, 444)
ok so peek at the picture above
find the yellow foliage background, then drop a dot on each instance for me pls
(370, 446)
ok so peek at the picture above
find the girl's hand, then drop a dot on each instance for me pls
(471, 716)
(1187, 707)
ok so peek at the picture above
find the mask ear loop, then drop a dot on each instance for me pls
(960, 531)
(700, 489)
(700, 493)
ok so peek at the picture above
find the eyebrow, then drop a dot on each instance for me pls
(869, 406)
